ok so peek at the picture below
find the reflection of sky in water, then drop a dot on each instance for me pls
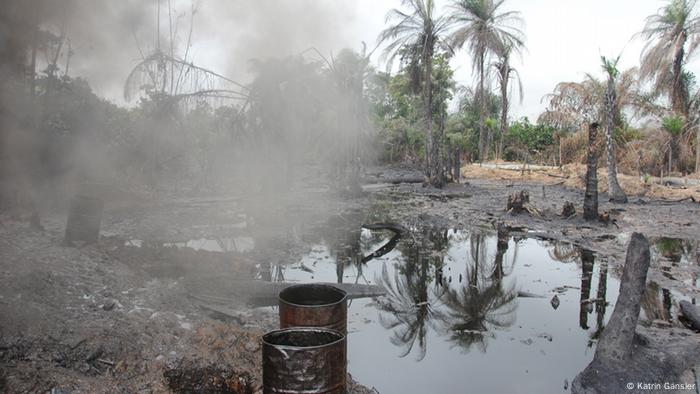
(508, 364)
(235, 244)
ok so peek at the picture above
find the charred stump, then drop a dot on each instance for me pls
(568, 210)
(590, 199)
(517, 201)
(84, 219)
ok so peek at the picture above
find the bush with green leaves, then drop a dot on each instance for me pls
(527, 139)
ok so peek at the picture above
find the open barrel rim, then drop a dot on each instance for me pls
(343, 299)
(341, 337)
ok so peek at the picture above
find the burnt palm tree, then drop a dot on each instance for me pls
(485, 30)
(505, 72)
(415, 37)
(615, 192)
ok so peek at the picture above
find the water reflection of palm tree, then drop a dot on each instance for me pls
(411, 308)
(600, 302)
(482, 304)
(475, 311)
(587, 263)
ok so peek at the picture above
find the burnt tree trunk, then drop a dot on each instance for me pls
(590, 199)
(616, 342)
(483, 134)
(456, 164)
(697, 151)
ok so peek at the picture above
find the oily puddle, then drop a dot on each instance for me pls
(461, 313)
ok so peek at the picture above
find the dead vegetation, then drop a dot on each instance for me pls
(573, 175)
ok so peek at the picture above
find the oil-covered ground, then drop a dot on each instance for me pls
(163, 301)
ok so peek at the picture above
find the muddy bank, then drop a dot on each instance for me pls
(103, 318)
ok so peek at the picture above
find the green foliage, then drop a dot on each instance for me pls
(526, 137)
(458, 134)
(673, 125)
(610, 66)
(397, 109)
(627, 134)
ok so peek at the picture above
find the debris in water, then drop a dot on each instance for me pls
(545, 336)
(555, 302)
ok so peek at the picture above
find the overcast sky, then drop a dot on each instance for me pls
(565, 38)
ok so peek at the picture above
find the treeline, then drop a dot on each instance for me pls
(649, 113)
(331, 115)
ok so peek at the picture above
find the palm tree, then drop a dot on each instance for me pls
(504, 73)
(665, 53)
(486, 31)
(615, 192)
(673, 125)
(417, 34)
(574, 104)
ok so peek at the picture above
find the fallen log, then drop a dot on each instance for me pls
(261, 290)
(398, 231)
(526, 294)
(395, 181)
(674, 181)
(395, 227)
(624, 355)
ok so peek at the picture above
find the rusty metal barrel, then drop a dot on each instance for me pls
(313, 305)
(304, 360)
(84, 219)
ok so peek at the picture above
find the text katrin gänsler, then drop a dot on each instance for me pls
(660, 386)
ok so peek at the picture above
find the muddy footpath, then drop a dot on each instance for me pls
(161, 302)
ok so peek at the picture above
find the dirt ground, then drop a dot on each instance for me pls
(111, 317)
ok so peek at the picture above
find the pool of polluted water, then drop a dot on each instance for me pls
(468, 311)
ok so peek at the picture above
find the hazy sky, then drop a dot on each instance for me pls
(565, 38)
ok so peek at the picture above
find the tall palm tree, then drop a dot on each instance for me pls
(485, 30)
(665, 53)
(417, 34)
(615, 192)
(505, 72)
